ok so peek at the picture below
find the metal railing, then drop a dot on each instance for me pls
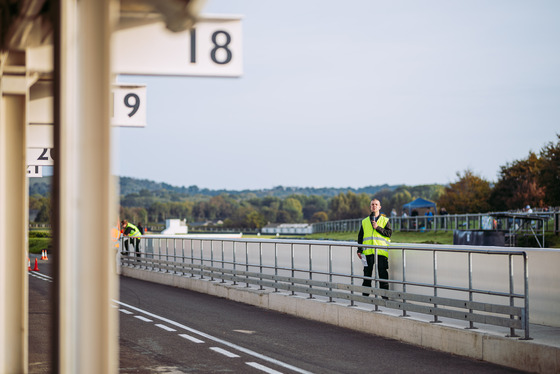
(467, 283)
(448, 222)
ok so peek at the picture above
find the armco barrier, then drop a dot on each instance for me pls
(318, 268)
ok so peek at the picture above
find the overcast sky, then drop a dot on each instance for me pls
(357, 93)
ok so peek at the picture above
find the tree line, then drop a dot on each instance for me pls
(534, 180)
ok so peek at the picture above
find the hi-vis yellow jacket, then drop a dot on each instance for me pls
(134, 230)
(115, 236)
(372, 237)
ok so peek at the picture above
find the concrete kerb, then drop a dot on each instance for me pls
(524, 355)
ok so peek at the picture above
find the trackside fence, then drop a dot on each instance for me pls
(472, 284)
(449, 222)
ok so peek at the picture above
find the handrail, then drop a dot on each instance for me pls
(326, 268)
(448, 222)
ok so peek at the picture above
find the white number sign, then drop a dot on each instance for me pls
(34, 171)
(129, 106)
(40, 156)
(212, 48)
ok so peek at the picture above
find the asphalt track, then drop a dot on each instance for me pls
(170, 330)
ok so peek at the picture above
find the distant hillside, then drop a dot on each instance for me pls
(132, 185)
(129, 185)
(40, 186)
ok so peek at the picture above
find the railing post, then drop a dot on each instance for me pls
(404, 278)
(351, 274)
(234, 266)
(174, 256)
(183, 257)
(201, 259)
(166, 252)
(526, 277)
(223, 263)
(276, 265)
(310, 269)
(434, 262)
(247, 263)
(260, 265)
(192, 257)
(470, 264)
(456, 222)
(330, 273)
(212, 260)
(375, 273)
(480, 221)
(293, 273)
(512, 333)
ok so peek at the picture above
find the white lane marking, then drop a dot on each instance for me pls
(191, 338)
(40, 276)
(210, 337)
(143, 318)
(166, 328)
(248, 332)
(224, 352)
(263, 368)
(125, 311)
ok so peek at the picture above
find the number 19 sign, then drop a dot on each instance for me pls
(129, 105)
(212, 48)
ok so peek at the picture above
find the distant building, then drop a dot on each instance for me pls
(288, 228)
(206, 223)
(175, 226)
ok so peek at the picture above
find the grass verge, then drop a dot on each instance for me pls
(39, 240)
(439, 237)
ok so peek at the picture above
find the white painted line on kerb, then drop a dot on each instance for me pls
(40, 276)
(143, 319)
(263, 368)
(191, 338)
(217, 340)
(224, 352)
(166, 328)
(125, 311)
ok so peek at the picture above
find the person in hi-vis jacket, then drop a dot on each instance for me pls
(375, 230)
(128, 229)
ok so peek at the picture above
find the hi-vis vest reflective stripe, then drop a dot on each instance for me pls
(115, 234)
(135, 232)
(372, 237)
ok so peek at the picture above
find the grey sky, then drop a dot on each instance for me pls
(357, 93)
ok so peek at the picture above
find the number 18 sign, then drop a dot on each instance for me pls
(212, 48)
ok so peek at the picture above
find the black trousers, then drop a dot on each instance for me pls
(382, 269)
(135, 244)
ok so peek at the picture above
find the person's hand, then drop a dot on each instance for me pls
(374, 224)
(360, 256)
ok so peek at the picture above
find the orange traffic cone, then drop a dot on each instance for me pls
(36, 268)
(28, 264)
(44, 255)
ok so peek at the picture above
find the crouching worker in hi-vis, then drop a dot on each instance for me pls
(375, 230)
(130, 230)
